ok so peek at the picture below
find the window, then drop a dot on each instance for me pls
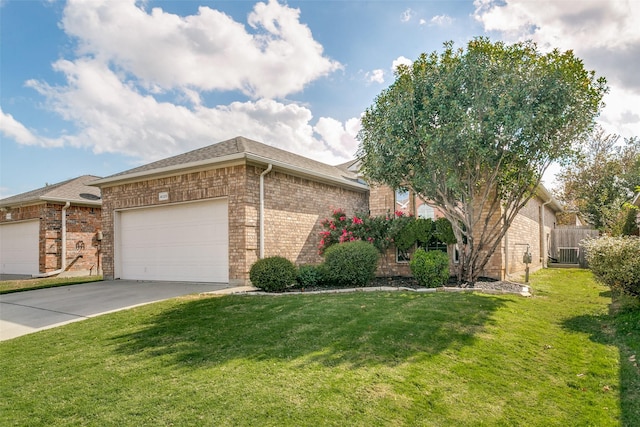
(402, 256)
(402, 201)
(426, 212)
(435, 245)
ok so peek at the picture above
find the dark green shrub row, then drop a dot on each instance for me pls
(346, 264)
(310, 276)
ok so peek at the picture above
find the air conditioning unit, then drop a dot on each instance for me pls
(568, 255)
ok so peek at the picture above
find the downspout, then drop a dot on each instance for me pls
(506, 255)
(63, 261)
(543, 238)
(262, 175)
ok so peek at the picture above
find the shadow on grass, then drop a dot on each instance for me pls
(621, 329)
(359, 329)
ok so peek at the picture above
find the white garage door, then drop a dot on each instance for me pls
(19, 247)
(186, 242)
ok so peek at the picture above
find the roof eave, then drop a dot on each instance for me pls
(72, 201)
(168, 170)
(224, 161)
(548, 198)
(304, 173)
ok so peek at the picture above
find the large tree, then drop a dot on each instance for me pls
(473, 131)
(602, 179)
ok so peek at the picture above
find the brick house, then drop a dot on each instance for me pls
(209, 214)
(197, 216)
(530, 231)
(52, 230)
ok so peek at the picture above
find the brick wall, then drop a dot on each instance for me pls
(482, 212)
(82, 248)
(22, 213)
(82, 224)
(294, 208)
(526, 229)
(381, 200)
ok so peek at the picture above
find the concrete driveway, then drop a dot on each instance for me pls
(22, 313)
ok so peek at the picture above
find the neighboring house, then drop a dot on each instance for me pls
(209, 214)
(530, 230)
(52, 230)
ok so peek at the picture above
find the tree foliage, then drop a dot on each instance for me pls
(473, 131)
(602, 179)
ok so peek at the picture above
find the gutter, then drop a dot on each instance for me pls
(262, 175)
(318, 176)
(63, 261)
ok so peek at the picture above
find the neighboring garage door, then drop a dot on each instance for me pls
(19, 253)
(185, 242)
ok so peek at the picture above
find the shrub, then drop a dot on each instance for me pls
(309, 276)
(431, 269)
(350, 264)
(382, 231)
(273, 274)
(418, 230)
(615, 261)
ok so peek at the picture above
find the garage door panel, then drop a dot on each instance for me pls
(19, 248)
(187, 242)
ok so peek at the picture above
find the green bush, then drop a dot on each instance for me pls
(615, 261)
(309, 276)
(431, 269)
(418, 230)
(350, 264)
(273, 274)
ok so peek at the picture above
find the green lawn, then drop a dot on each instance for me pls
(363, 359)
(9, 286)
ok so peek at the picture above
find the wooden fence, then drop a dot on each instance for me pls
(565, 246)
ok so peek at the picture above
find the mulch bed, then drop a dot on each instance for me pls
(483, 283)
(409, 282)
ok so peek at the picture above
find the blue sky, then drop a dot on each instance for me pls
(100, 86)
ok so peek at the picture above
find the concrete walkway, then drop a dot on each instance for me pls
(25, 312)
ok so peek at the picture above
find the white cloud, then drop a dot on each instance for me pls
(621, 115)
(343, 136)
(142, 96)
(375, 76)
(113, 116)
(11, 128)
(423, 21)
(401, 60)
(605, 34)
(207, 51)
(407, 15)
(441, 20)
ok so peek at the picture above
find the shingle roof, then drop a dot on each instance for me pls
(238, 148)
(74, 190)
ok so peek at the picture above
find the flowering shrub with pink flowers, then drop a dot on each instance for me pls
(381, 231)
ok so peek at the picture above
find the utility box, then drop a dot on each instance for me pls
(527, 258)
